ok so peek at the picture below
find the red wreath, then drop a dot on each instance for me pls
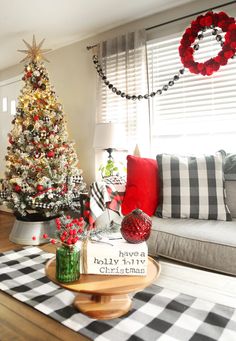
(210, 19)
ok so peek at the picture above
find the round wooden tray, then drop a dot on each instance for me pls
(107, 297)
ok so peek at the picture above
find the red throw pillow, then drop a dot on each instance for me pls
(142, 188)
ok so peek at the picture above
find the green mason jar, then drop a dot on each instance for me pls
(67, 264)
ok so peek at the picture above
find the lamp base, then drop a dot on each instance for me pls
(109, 150)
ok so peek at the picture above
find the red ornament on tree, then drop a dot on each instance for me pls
(10, 139)
(136, 226)
(17, 188)
(28, 74)
(50, 153)
(40, 188)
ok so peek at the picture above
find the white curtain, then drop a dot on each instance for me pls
(124, 62)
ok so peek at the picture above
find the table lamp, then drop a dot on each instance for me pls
(109, 136)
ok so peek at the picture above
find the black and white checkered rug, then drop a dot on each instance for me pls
(157, 313)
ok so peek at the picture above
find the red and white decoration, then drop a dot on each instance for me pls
(214, 21)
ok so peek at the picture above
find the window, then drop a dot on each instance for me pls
(4, 104)
(123, 62)
(13, 107)
(9, 90)
(197, 114)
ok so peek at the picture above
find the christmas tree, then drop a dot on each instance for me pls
(42, 177)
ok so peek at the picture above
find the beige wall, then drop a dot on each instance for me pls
(71, 72)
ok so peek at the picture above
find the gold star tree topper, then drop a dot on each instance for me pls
(34, 51)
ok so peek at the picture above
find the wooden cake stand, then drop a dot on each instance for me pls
(107, 295)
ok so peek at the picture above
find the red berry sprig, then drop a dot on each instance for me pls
(69, 230)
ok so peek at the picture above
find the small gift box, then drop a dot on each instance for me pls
(110, 256)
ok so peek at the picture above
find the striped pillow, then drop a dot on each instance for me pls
(192, 187)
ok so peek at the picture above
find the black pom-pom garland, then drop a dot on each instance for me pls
(122, 94)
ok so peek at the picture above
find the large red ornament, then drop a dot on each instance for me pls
(136, 226)
(209, 20)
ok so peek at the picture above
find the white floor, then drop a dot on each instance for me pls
(198, 283)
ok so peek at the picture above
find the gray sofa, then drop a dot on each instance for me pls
(208, 244)
(205, 243)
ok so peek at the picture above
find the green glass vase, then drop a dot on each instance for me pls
(67, 264)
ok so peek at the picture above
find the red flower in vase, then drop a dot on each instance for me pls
(68, 230)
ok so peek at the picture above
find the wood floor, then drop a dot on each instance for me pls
(18, 321)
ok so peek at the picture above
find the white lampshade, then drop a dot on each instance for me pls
(109, 135)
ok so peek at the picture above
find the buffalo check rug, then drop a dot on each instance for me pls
(156, 313)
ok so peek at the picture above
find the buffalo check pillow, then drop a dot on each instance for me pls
(192, 187)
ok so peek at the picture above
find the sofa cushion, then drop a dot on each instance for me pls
(230, 188)
(192, 187)
(230, 166)
(142, 186)
(205, 243)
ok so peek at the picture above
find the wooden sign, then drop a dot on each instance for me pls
(114, 257)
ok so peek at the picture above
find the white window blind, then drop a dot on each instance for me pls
(112, 107)
(126, 72)
(198, 113)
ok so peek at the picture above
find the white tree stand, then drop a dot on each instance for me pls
(23, 231)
